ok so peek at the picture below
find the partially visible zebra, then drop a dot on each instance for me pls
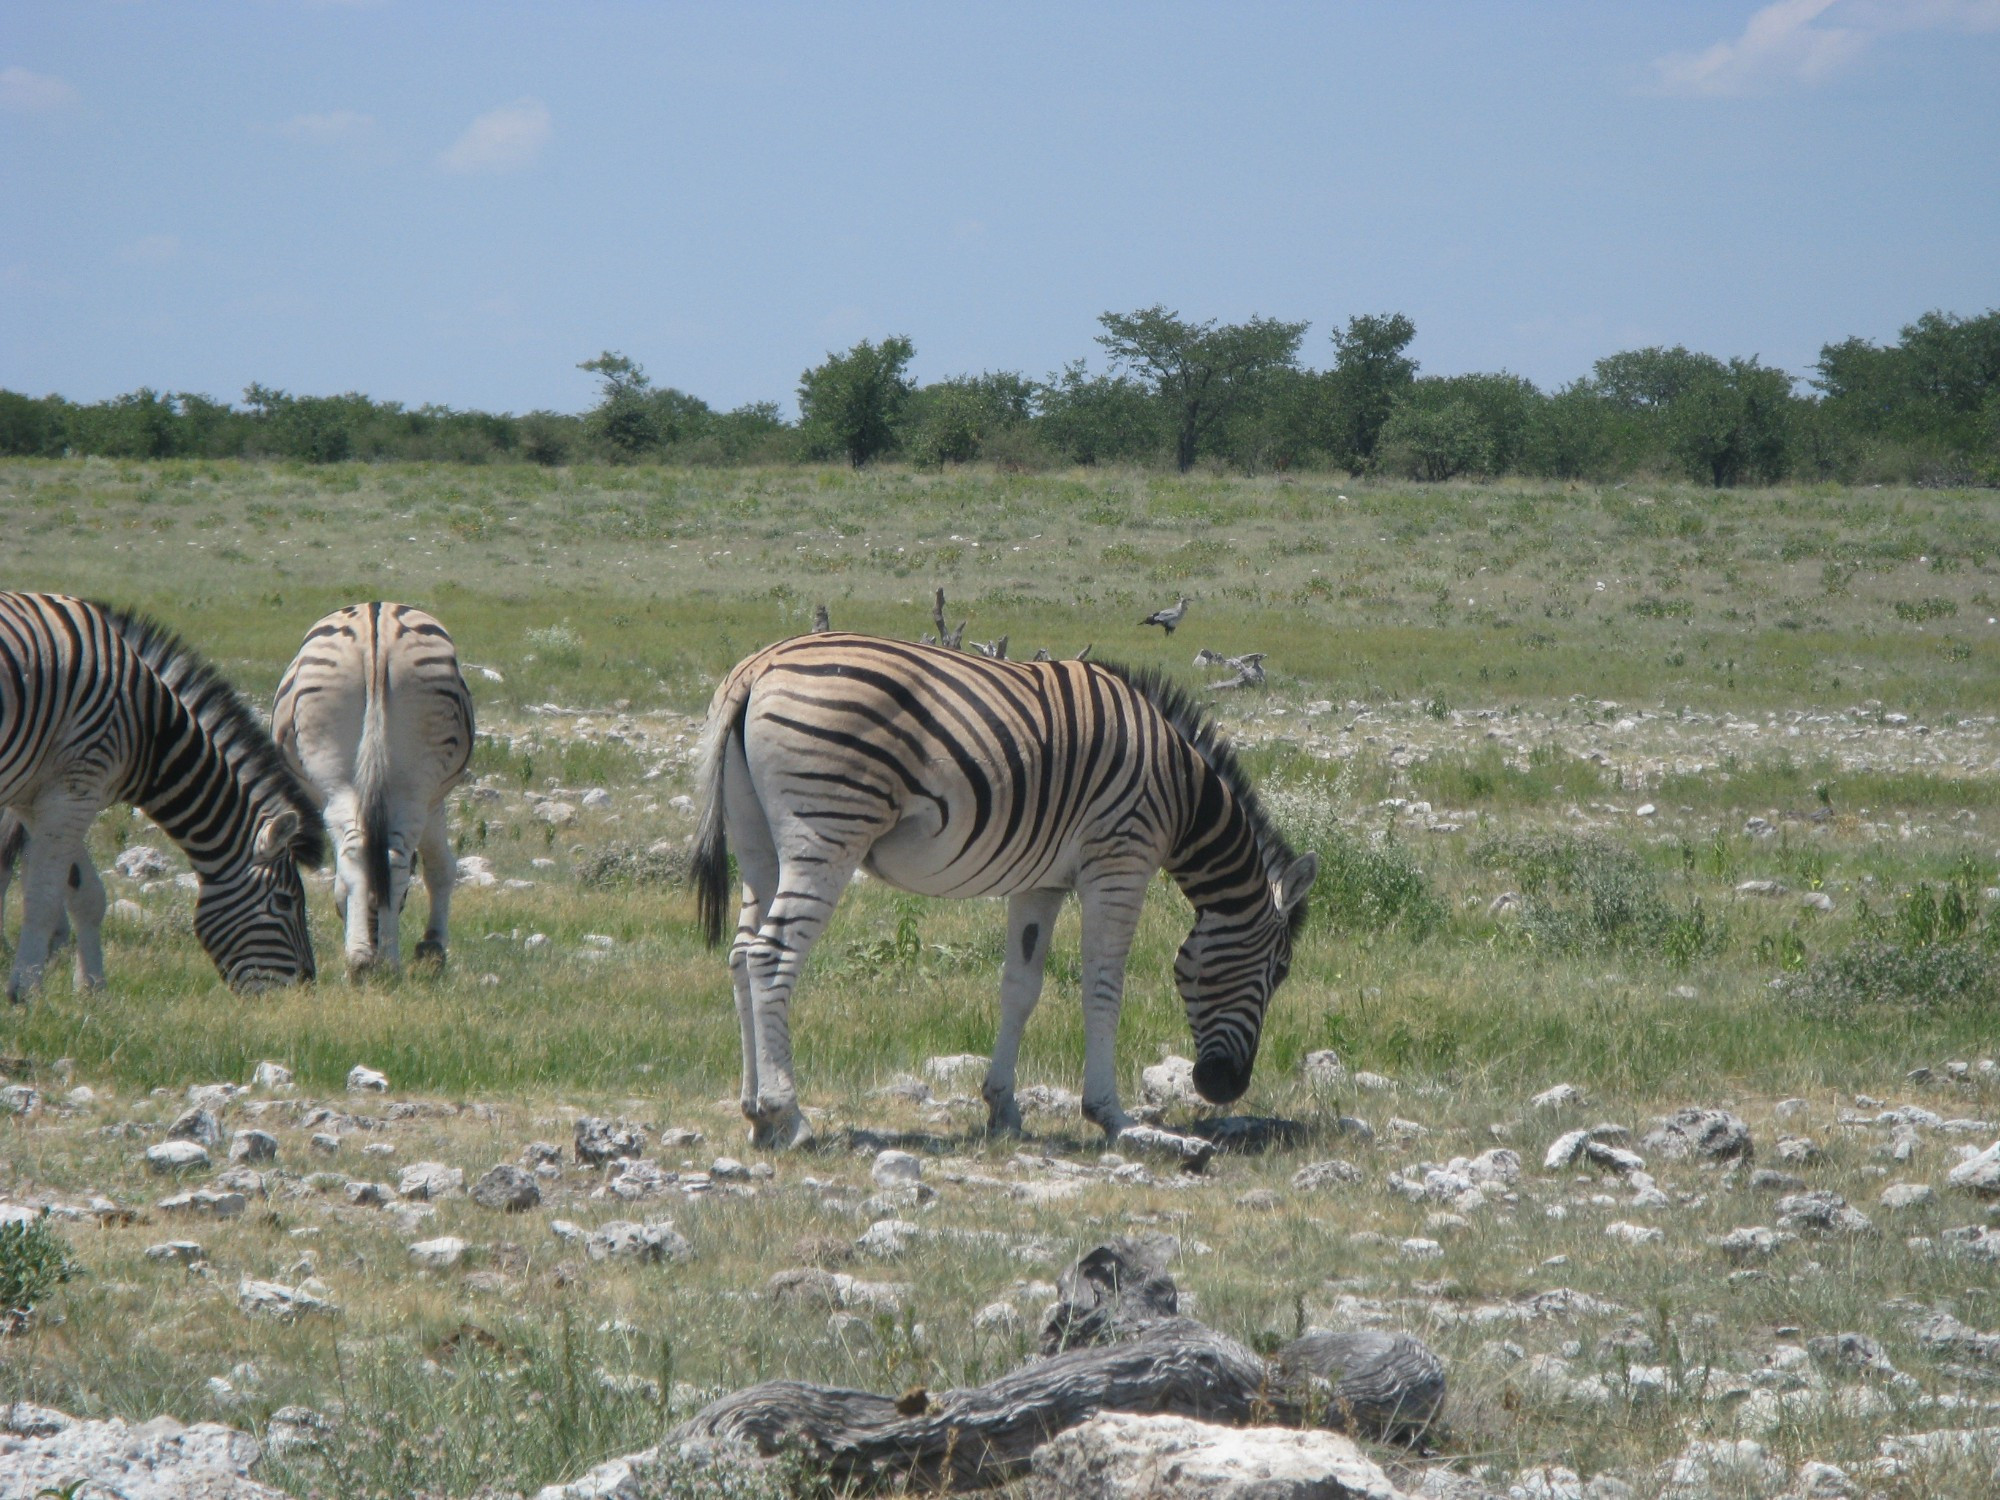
(99, 705)
(374, 713)
(951, 775)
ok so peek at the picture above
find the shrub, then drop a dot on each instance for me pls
(1434, 443)
(606, 865)
(34, 1260)
(1581, 895)
(1366, 886)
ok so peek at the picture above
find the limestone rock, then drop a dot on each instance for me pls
(44, 1452)
(1122, 1456)
(960, 1070)
(1978, 1174)
(253, 1145)
(894, 1168)
(1822, 1213)
(1562, 1096)
(271, 1299)
(202, 1125)
(507, 1189)
(428, 1181)
(1170, 1082)
(1324, 1070)
(361, 1080)
(439, 1254)
(1699, 1135)
(652, 1242)
(599, 1141)
(1320, 1175)
(141, 862)
(271, 1077)
(176, 1156)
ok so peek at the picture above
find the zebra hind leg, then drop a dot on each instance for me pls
(1031, 917)
(54, 848)
(440, 876)
(797, 915)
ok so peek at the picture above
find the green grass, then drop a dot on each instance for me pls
(1533, 722)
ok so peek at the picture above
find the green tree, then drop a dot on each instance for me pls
(1200, 372)
(1734, 423)
(851, 404)
(623, 422)
(31, 428)
(1370, 374)
(1434, 440)
(1652, 379)
(1095, 419)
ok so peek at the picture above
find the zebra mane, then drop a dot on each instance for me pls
(231, 724)
(1197, 726)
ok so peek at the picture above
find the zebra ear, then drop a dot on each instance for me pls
(276, 836)
(1296, 883)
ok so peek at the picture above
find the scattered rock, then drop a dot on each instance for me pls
(203, 1125)
(554, 813)
(439, 1254)
(1325, 1071)
(1170, 1082)
(180, 1252)
(141, 862)
(1562, 1096)
(507, 1189)
(1822, 1213)
(428, 1181)
(1123, 1456)
(253, 1146)
(44, 1452)
(1696, 1134)
(203, 1204)
(271, 1299)
(176, 1156)
(369, 1194)
(1901, 1195)
(362, 1080)
(960, 1070)
(1634, 1234)
(895, 1168)
(1978, 1174)
(19, 1099)
(1321, 1175)
(1754, 1243)
(653, 1242)
(599, 1141)
(1797, 1150)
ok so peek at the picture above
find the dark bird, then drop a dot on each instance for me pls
(1168, 618)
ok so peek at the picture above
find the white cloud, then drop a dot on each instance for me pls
(1805, 41)
(501, 140)
(336, 127)
(151, 249)
(25, 93)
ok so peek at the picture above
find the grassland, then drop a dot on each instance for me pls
(1473, 693)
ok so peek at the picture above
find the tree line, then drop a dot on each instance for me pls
(1171, 391)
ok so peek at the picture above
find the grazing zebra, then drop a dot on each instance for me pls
(951, 775)
(97, 706)
(374, 714)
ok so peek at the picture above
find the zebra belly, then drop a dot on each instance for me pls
(913, 858)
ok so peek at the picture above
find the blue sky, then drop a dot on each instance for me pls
(457, 203)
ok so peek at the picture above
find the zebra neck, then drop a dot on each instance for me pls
(1216, 861)
(187, 784)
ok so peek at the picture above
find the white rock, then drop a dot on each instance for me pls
(253, 1146)
(1562, 1096)
(439, 1254)
(1324, 1070)
(652, 1242)
(960, 1070)
(141, 862)
(1978, 1174)
(1634, 1234)
(271, 1076)
(363, 1080)
(271, 1299)
(1122, 1456)
(19, 1099)
(1900, 1195)
(203, 1204)
(555, 814)
(180, 1252)
(176, 1156)
(597, 799)
(998, 1317)
(476, 870)
(44, 1452)
(1418, 1248)
(1644, 810)
(886, 1239)
(1170, 1081)
(427, 1181)
(891, 1168)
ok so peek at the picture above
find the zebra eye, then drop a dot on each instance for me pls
(283, 902)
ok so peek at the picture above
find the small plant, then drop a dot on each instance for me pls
(34, 1261)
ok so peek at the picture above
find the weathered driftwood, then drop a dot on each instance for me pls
(1123, 1348)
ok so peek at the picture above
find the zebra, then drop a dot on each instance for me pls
(952, 775)
(101, 705)
(14, 838)
(374, 714)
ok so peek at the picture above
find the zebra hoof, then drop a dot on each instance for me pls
(429, 952)
(1004, 1122)
(780, 1130)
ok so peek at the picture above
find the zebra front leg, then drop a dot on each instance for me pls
(1031, 917)
(1111, 905)
(86, 904)
(797, 915)
(440, 876)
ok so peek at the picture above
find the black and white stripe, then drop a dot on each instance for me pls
(951, 775)
(374, 714)
(98, 705)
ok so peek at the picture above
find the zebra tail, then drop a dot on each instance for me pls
(711, 840)
(371, 787)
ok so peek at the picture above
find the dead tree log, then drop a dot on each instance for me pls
(1136, 1355)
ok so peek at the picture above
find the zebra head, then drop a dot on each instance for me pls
(1227, 971)
(251, 917)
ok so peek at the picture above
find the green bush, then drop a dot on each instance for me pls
(34, 1260)
(1365, 886)
(1584, 895)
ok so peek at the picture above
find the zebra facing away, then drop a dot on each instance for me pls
(373, 712)
(952, 775)
(97, 706)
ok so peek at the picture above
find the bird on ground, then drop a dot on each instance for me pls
(821, 620)
(1168, 618)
